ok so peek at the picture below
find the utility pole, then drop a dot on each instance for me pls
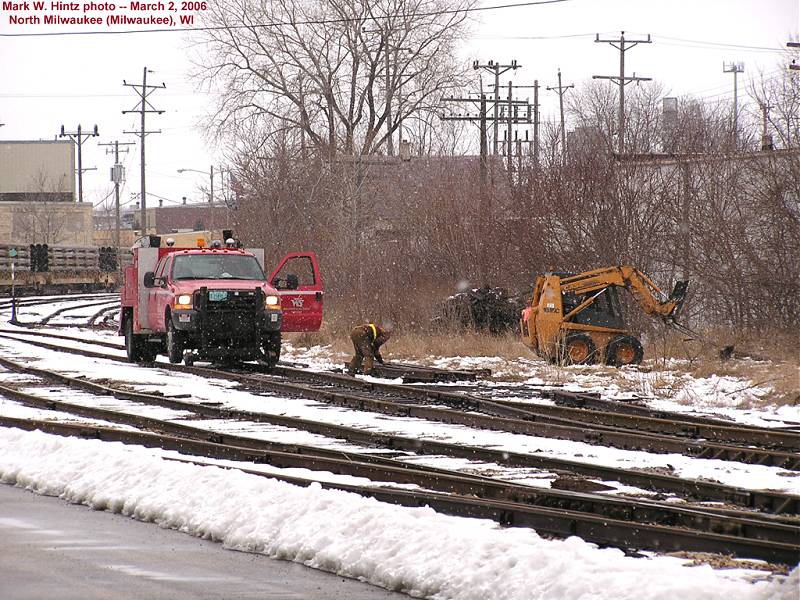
(561, 90)
(794, 45)
(532, 116)
(78, 138)
(536, 122)
(513, 118)
(481, 119)
(389, 134)
(510, 122)
(734, 68)
(766, 139)
(621, 80)
(144, 107)
(117, 176)
(498, 70)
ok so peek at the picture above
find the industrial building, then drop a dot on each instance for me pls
(37, 198)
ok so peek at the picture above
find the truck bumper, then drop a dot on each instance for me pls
(194, 322)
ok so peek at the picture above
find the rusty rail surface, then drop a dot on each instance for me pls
(509, 504)
(763, 500)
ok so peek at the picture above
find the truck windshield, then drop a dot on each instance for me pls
(216, 266)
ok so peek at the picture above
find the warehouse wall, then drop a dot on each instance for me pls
(54, 223)
(30, 170)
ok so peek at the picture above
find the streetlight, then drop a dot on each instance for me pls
(211, 174)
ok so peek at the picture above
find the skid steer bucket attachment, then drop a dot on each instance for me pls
(678, 295)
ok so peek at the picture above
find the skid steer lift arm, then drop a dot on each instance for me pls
(646, 293)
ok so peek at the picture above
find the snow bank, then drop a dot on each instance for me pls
(413, 550)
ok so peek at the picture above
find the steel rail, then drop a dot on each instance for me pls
(762, 499)
(64, 309)
(523, 422)
(560, 522)
(531, 424)
(676, 424)
(218, 412)
(668, 423)
(719, 432)
(24, 301)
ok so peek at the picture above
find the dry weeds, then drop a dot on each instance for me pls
(670, 362)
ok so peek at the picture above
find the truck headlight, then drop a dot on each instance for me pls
(183, 301)
(272, 301)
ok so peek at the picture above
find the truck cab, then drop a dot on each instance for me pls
(215, 303)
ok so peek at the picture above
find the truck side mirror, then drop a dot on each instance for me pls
(292, 282)
(149, 279)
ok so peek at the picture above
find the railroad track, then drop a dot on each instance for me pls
(775, 447)
(609, 521)
(697, 489)
(37, 301)
(108, 305)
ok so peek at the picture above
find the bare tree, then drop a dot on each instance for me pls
(331, 71)
(35, 218)
(779, 95)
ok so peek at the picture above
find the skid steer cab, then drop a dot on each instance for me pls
(215, 303)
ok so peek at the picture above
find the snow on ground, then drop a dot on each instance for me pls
(665, 387)
(420, 552)
(202, 389)
(413, 550)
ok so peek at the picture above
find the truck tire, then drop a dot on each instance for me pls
(135, 346)
(174, 343)
(579, 349)
(624, 350)
(271, 347)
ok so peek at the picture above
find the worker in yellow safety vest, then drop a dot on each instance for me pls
(367, 340)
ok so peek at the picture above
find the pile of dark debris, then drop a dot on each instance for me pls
(488, 309)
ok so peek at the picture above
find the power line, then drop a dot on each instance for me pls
(117, 176)
(432, 13)
(143, 108)
(621, 80)
(497, 69)
(720, 44)
(79, 138)
(561, 90)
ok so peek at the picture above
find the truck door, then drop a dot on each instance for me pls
(157, 299)
(299, 284)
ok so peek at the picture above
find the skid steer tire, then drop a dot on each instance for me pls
(579, 349)
(624, 350)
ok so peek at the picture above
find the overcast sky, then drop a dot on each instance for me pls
(72, 79)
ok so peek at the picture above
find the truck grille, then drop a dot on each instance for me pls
(224, 301)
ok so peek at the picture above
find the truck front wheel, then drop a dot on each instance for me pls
(271, 347)
(175, 343)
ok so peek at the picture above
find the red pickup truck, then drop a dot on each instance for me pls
(215, 303)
